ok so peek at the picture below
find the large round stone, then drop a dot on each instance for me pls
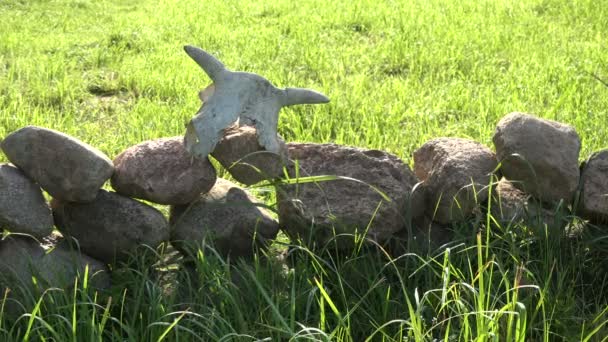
(65, 167)
(539, 156)
(162, 171)
(112, 226)
(23, 209)
(27, 270)
(19, 260)
(65, 262)
(456, 174)
(374, 197)
(229, 217)
(594, 180)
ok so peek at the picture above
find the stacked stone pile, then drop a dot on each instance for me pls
(99, 227)
(328, 192)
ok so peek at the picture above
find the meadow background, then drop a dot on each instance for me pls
(398, 73)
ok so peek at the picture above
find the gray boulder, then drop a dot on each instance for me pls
(65, 167)
(540, 156)
(162, 171)
(228, 216)
(248, 162)
(317, 211)
(23, 209)
(64, 262)
(594, 181)
(456, 174)
(23, 259)
(19, 259)
(112, 226)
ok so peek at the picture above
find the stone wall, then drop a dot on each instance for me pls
(325, 192)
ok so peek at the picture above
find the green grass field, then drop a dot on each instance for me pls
(113, 74)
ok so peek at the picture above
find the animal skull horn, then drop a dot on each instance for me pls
(211, 65)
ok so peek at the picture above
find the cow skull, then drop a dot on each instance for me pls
(243, 96)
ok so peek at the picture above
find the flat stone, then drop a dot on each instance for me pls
(594, 180)
(162, 171)
(228, 216)
(65, 167)
(23, 209)
(456, 174)
(316, 212)
(240, 153)
(540, 156)
(112, 226)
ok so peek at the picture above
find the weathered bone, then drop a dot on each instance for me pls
(212, 66)
(295, 96)
(242, 96)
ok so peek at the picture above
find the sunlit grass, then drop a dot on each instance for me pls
(398, 73)
(501, 283)
(113, 73)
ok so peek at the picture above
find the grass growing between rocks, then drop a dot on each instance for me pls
(399, 73)
(503, 283)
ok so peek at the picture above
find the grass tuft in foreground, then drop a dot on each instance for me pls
(503, 282)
